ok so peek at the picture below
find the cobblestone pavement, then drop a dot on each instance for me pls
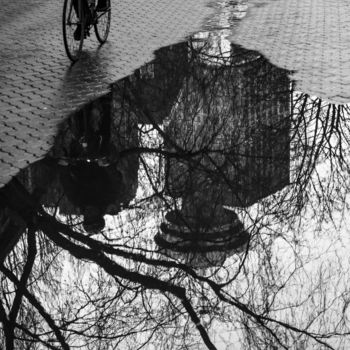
(311, 37)
(38, 87)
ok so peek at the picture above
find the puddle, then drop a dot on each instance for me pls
(194, 96)
(201, 197)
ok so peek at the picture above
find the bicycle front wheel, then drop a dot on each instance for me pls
(73, 28)
(103, 23)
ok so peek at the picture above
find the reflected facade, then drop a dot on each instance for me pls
(157, 173)
(231, 123)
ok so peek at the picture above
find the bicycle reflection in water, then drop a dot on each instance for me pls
(84, 173)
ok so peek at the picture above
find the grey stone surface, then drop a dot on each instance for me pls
(39, 87)
(309, 37)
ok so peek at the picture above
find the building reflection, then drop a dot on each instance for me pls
(231, 125)
(227, 122)
(84, 175)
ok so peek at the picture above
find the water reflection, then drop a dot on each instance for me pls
(196, 176)
(242, 143)
(227, 125)
(82, 173)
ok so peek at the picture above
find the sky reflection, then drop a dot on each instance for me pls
(202, 202)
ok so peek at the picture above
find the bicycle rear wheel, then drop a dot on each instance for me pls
(103, 23)
(73, 28)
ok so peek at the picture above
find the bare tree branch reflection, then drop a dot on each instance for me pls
(202, 202)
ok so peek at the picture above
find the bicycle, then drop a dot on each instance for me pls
(79, 16)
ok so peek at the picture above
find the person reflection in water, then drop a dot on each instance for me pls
(89, 174)
(92, 189)
(87, 138)
(89, 181)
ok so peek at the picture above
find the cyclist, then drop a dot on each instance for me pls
(102, 5)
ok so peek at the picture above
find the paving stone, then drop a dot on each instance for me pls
(309, 36)
(38, 85)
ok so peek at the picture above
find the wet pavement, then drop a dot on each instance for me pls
(190, 194)
(310, 38)
(38, 86)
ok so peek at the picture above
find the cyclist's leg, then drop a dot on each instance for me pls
(85, 11)
(84, 4)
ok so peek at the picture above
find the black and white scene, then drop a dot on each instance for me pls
(175, 175)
